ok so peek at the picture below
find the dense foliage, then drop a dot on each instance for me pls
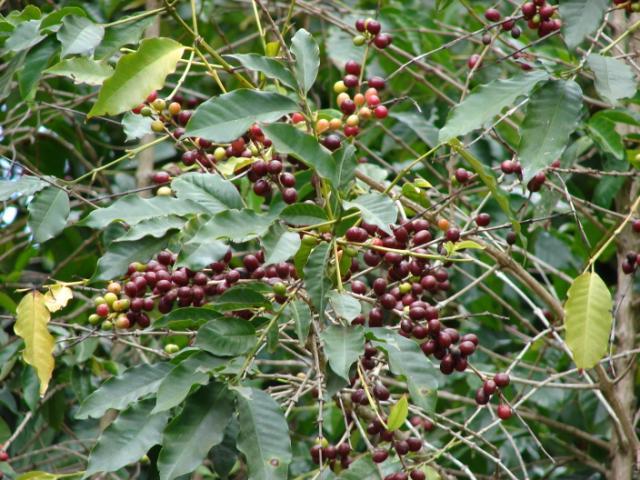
(317, 239)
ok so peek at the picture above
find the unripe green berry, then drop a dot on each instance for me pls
(98, 301)
(359, 40)
(94, 319)
(171, 348)
(309, 241)
(110, 298)
(280, 289)
(106, 325)
(121, 305)
(159, 104)
(405, 287)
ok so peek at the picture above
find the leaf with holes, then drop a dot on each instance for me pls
(588, 319)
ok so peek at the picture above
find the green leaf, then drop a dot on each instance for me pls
(79, 35)
(422, 127)
(552, 115)
(200, 426)
(225, 118)
(237, 225)
(303, 214)
(581, 18)
(344, 305)
(120, 254)
(23, 187)
(25, 36)
(9, 71)
(191, 371)
(345, 166)
(132, 209)
(119, 392)
(264, 435)
(280, 244)
(48, 213)
(407, 360)
(270, 67)
(307, 55)
(603, 132)
(226, 336)
(32, 319)
(136, 126)
(588, 319)
(120, 35)
(451, 247)
(127, 439)
(38, 475)
(136, 75)
(52, 22)
(241, 297)
(198, 248)
(210, 191)
(362, 468)
(342, 347)
(290, 140)
(301, 314)
(398, 414)
(614, 78)
(487, 101)
(155, 227)
(186, 318)
(84, 70)
(376, 208)
(36, 61)
(315, 277)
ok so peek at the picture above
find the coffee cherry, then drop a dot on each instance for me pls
(473, 61)
(381, 392)
(352, 67)
(380, 112)
(376, 82)
(489, 387)
(402, 447)
(161, 177)
(492, 15)
(528, 10)
(628, 267)
(262, 188)
(388, 301)
(467, 348)
(483, 219)
(504, 411)
(415, 444)
(501, 379)
(379, 455)
(462, 175)
(373, 26)
(360, 25)
(443, 224)
(418, 475)
(332, 142)
(102, 310)
(329, 452)
(481, 397)
(453, 234)
(382, 40)
(511, 238)
(516, 32)
(508, 167)
(344, 449)
(4, 456)
(635, 225)
(290, 195)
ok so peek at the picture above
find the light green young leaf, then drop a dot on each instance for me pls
(307, 55)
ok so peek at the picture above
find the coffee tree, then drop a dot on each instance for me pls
(315, 240)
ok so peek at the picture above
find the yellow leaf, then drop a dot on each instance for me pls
(57, 297)
(31, 325)
(398, 414)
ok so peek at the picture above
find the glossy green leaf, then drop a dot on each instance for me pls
(48, 213)
(36, 61)
(119, 255)
(316, 280)
(361, 468)
(270, 67)
(398, 414)
(552, 115)
(376, 208)
(603, 132)
(290, 140)
(189, 372)
(226, 336)
(79, 35)
(303, 214)
(198, 248)
(186, 318)
(344, 305)
(307, 56)
(200, 426)
(301, 314)
(155, 227)
(83, 70)
(487, 101)
(119, 392)
(25, 36)
(280, 244)
(210, 191)
(240, 297)
(346, 164)
(132, 209)
(588, 319)
(128, 438)
(225, 118)
(52, 22)
(581, 18)
(237, 225)
(264, 435)
(342, 347)
(120, 35)
(24, 186)
(614, 78)
(136, 75)
(419, 125)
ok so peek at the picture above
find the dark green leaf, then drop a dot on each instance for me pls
(120, 35)
(280, 244)
(155, 227)
(128, 438)
(422, 127)
(303, 214)
(210, 191)
(226, 336)
(376, 208)
(24, 186)
(270, 67)
(603, 131)
(614, 78)
(199, 249)
(237, 225)
(186, 318)
(345, 166)
(85, 70)
(264, 435)
(200, 426)
(36, 61)
(48, 213)
(225, 118)
(315, 275)
(301, 314)
(342, 347)
(344, 305)
(119, 392)
(581, 18)
(307, 55)
(120, 254)
(25, 36)
(241, 297)
(290, 140)
(552, 116)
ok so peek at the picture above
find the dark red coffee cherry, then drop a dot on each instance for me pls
(502, 379)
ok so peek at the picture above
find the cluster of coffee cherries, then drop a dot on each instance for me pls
(632, 261)
(165, 113)
(489, 388)
(371, 32)
(513, 167)
(334, 455)
(629, 5)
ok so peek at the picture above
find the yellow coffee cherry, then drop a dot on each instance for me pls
(110, 298)
(219, 154)
(114, 287)
(164, 191)
(157, 126)
(339, 87)
(159, 105)
(359, 99)
(353, 120)
(342, 97)
(335, 124)
(364, 112)
(322, 125)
